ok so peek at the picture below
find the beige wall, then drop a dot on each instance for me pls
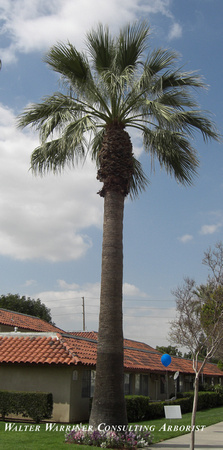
(79, 410)
(64, 382)
(53, 379)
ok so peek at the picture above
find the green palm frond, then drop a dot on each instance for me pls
(160, 59)
(96, 143)
(139, 180)
(177, 79)
(193, 120)
(70, 63)
(57, 105)
(173, 152)
(53, 156)
(101, 48)
(176, 98)
(132, 42)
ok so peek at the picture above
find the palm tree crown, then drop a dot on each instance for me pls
(115, 86)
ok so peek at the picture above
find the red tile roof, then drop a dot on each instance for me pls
(85, 334)
(37, 348)
(81, 348)
(25, 322)
(84, 348)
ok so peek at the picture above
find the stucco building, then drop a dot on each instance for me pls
(36, 356)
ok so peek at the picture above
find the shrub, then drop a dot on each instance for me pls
(155, 410)
(188, 394)
(140, 408)
(220, 365)
(180, 395)
(37, 405)
(209, 400)
(219, 389)
(186, 404)
(205, 387)
(137, 406)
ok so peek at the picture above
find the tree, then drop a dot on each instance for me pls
(26, 305)
(117, 84)
(170, 350)
(213, 259)
(198, 327)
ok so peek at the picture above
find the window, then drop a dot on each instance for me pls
(137, 384)
(88, 382)
(144, 385)
(93, 375)
(127, 383)
(162, 385)
(141, 384)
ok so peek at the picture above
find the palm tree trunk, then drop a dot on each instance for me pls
(109, 403)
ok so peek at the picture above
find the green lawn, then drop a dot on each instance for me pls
(37, 437)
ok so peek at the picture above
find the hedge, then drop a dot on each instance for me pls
(137, 407)
(209, 400)
(140, 408)
(36, 405)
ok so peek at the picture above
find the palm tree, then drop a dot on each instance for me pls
(115, 85)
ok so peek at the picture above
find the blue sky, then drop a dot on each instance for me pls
(51, 227)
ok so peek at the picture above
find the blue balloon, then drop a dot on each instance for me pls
(166, 360)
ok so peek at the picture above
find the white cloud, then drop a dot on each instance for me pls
(36, 25)
(129, 290)
(141, 322)
(149, 325)
(66, 305)
(30, 283)
(64, 285)
(175, 31)
(45, 217)
(210, 229)
(185, 238)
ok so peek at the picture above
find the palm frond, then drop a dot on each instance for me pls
(139, 180)
(177, 99)
(132, 42)
(174, 153)
(101, 48)
(96, 143)
(37, 114)
(70, 63)
(158, 60)
(53, 156)
(177, 79)
(69, 149)
(196, 120)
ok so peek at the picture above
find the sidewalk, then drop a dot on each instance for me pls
(209, 439)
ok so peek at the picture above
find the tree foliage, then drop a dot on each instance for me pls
(26, 305)
(198, 325)
(213, 259)
(199, 322)
(170, 350)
